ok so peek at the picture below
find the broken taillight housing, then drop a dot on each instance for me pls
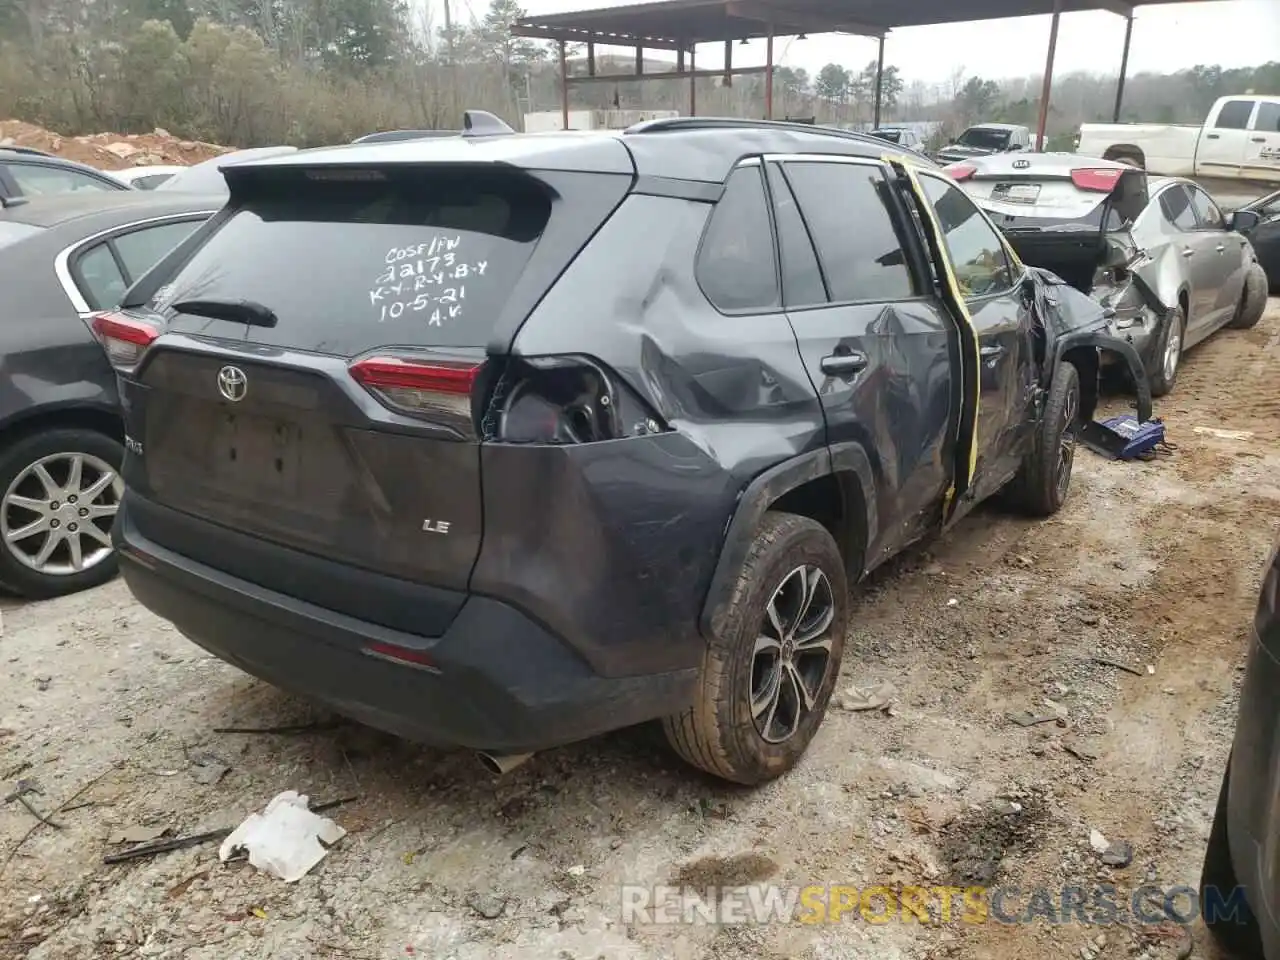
(1098, 179)
(420, 388)
(960, 172)
(124, 338)
(565, 400)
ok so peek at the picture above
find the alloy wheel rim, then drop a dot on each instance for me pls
(792, 653)
(1067, 442)
(56, 515)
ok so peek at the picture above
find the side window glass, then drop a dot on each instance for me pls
(1175, 204)
(1268, 120)
(977, 255)
(1207, 211)
(34, 180)
(736, 267)
(142, 249)
(844, 205)
(802, 284)
(99, 277)
(1234, 115)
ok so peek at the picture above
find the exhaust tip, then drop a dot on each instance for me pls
(500, 763)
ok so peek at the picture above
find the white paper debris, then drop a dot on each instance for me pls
(1099, 843)
(286, 840)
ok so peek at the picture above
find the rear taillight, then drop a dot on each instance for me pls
(1098, 179)
(564, 400)
(420, 388)
(124, 338)
(960, 171)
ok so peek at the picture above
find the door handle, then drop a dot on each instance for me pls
(991, 351)
(843, 364)
(1258, 139)
(1211, 136)
(1188, 252)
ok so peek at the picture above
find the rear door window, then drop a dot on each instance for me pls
(1175, 204)
(1268, 118)
(351, 262)
(1234, 115)
(802, 284)
(100, 278)
(1207, 212)
(845, 208)
(736, 267)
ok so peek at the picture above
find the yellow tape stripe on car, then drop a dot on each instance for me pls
(953, 287)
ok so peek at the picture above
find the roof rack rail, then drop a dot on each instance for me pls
(31, 150)
(739, 123)
(482, 123)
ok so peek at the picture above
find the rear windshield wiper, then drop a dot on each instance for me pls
(237, 311)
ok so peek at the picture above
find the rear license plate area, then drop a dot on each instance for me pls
(254, 455)
(1016, 192)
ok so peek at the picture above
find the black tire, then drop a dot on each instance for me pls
(1040, 487)
(1238, 935)
(14, 463)
(1160, 379)
(1253, 300)
(720, 733)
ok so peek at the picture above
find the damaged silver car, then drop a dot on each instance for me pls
(1156, 253)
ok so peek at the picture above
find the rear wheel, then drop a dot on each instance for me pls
(1253, 300)
(765, 684)
(1168, 354)
(59, 493)
(1040, 488)
(1238, 933)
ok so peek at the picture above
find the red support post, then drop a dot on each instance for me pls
(564, 86)
(693, 82)
(768, 75)
(879, 80)
(1048, 76)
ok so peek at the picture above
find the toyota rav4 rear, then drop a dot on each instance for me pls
(306, 387)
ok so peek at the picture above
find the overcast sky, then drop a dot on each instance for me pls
(1233, 33)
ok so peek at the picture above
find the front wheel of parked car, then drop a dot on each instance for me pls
(59, 492)
(1167, 358)
(1040, 487)
(1225, 912)
(765, 684)
(1253, 300)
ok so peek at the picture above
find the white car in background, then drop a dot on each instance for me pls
(1157, 252)
(149, 177)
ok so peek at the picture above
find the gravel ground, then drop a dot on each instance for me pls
(1153, 566)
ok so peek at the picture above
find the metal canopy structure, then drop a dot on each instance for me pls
(680, 25)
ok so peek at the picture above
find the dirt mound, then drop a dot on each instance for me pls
(109, 151)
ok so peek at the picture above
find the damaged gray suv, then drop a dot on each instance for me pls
(503, 441)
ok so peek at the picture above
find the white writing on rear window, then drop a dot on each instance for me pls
(428, 279)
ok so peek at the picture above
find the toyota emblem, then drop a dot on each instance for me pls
(232, 383)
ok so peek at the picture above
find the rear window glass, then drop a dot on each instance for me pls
(417, 259)
(984, 138)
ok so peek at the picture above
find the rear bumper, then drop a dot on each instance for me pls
(499, 680)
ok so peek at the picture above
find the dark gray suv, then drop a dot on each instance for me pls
(503, 441)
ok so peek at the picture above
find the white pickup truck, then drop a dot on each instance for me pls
(1239, 141)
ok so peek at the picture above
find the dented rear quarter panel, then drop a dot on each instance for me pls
(634, 527)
